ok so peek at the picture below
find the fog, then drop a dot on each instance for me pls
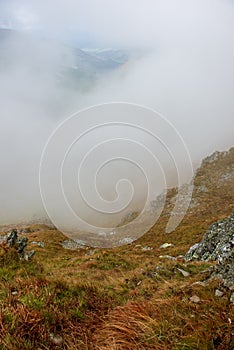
(181, 64)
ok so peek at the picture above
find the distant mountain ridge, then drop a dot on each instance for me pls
(78, 67)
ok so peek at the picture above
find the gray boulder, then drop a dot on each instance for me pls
(20, 244)
(217, 244)
(12, 238)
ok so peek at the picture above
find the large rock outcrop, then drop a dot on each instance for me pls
(217, 244)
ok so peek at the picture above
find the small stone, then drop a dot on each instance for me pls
(166, 245)
(40, 244)
(28, 255)
(144, 249)
(90, 252)
(56, 339)
(14, 293)
(232, 298)
(218, 293)
(199, 283)
(184, 273)
(126, 240)
(195, 299)
(167, 257)
(73, 244)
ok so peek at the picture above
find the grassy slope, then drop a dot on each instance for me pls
(123, 298)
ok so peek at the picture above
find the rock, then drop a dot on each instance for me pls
(126, 240)
(56, 339)
(199, 283)
(14, 293)
(218, 293)
(213, 157)
(232, 298)
(72, 245)
(191, 254)
(20, 244)
(217, 244)
(184, 273)
(12, 238)
(167, 257)
(144, 249)
(225, 273)
(195, 299)
(28, 255)
(166, 245)
(40, 244)
(90, 252)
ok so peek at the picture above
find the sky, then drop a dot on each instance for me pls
(185, 72)
(134, 23)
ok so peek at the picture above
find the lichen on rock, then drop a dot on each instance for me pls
(217, 245)
(20, 244)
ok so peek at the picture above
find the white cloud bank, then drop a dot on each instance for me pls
(186, 73)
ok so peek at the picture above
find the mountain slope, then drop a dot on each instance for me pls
(139, 296)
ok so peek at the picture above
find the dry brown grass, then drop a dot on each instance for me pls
(124, 298)
(172, 323)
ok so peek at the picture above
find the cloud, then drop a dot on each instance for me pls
(131, 22)
(185, 70)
